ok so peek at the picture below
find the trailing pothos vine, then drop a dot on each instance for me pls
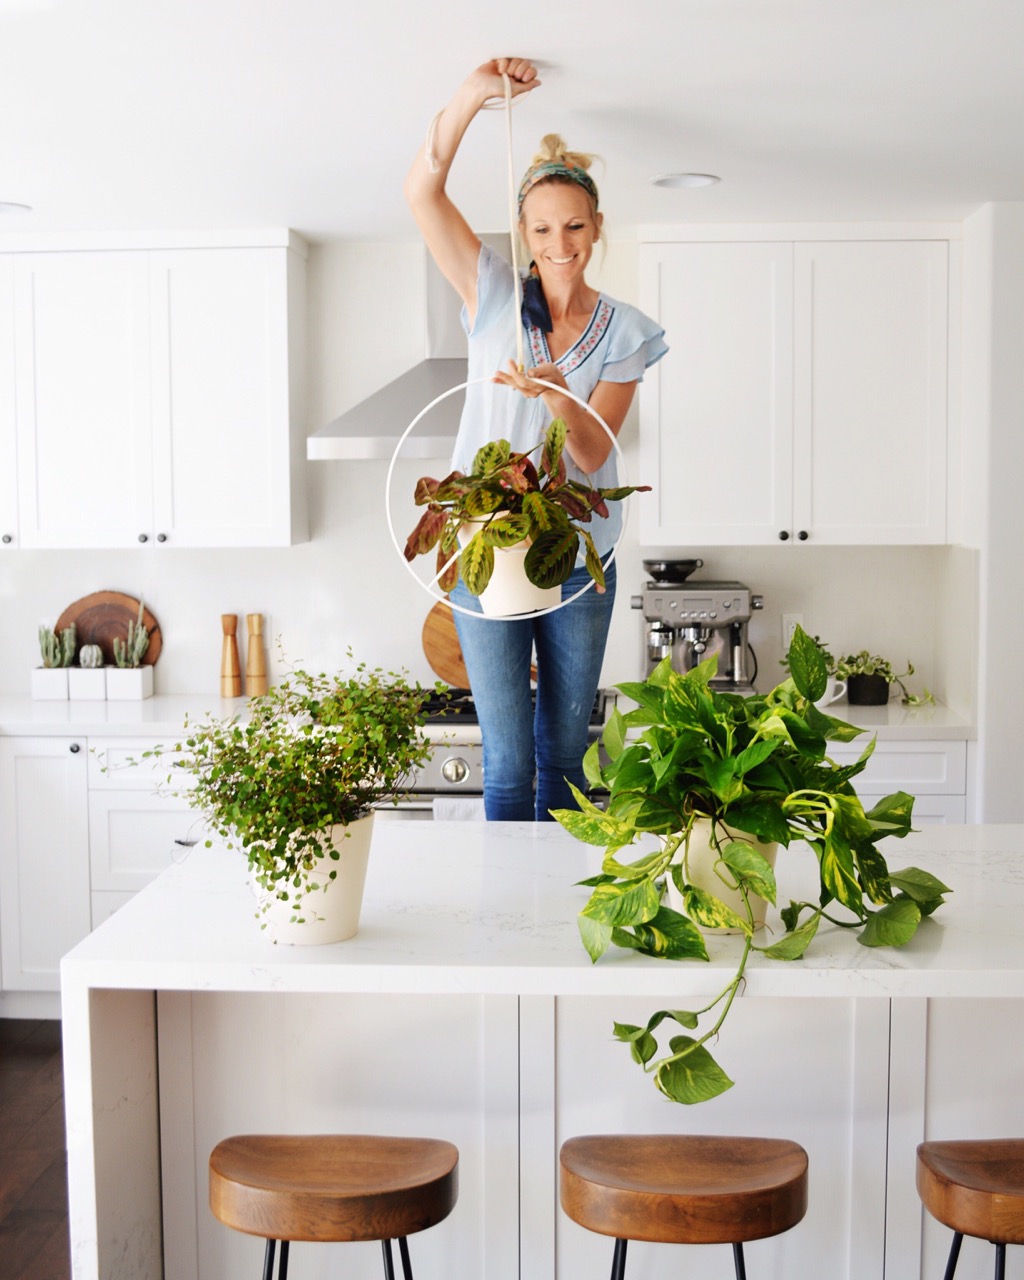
(754, 766)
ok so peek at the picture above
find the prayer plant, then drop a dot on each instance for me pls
(753, 766)
(508, 500)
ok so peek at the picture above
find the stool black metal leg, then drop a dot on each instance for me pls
(403, 1249)
(737, 1258)
(1000, 1261)
(954, 1253)
(282, 1266)
(619, 1260)
(389, 1262)
(268, 1260)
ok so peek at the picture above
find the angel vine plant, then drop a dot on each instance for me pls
(752, 766)
(512, 500)
(314, 752)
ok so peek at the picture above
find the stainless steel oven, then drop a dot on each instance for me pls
(451, 783)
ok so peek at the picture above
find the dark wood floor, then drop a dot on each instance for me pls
(33, 1163)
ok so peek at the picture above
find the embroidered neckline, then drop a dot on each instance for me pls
(585, 345)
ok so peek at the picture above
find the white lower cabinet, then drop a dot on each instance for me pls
(136, 827)
(933, 771)
(77, 840)
(44, 858)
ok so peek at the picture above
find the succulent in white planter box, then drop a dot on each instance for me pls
(88, 681)
(130, 680)
(50, 681)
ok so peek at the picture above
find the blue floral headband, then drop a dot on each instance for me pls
(557, 169)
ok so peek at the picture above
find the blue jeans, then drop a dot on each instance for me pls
(546, 744)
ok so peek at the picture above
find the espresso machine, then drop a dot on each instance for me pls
(689, 621)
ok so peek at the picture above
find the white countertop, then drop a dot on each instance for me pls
(489, 908)
(164, 714)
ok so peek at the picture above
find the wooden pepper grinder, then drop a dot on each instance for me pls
(230, 668)
(255, 657)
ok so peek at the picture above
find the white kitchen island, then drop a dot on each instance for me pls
(467, 1009)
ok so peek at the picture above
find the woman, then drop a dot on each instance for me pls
(575, 338)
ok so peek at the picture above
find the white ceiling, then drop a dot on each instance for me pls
(168, 114)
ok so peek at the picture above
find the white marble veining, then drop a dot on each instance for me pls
(467, 907)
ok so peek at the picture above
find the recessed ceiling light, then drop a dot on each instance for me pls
(12, 206)
(686, 180)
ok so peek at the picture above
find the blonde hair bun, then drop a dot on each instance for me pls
(554, 151)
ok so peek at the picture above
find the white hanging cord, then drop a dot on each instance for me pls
(513, 221)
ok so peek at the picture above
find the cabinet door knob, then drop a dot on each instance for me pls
(8, 538)
(161, 537)
(143, 537)
(74, 748)
(783, 535)
(802, 535)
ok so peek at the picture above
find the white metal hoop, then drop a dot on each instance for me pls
(472, 613)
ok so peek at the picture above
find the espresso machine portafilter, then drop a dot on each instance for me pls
(690, 621)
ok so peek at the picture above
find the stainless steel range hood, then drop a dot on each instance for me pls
(372, 428)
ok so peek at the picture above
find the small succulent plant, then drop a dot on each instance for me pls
(90, 656)
(57, 648)
(131, 652)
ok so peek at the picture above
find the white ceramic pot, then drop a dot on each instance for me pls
(127, 684)
(50, 684)
(87, 684)
(330, 912)
(701, 866)
(510, 591)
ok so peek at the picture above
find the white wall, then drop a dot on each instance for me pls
(994, 400)
(348, 588)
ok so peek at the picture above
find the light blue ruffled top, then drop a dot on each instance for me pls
(618, 345)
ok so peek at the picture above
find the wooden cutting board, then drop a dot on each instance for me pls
(99, 617)
(441, 645)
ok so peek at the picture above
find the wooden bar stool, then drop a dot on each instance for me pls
(977, 1189)
(332, 1187)
(683, 1189)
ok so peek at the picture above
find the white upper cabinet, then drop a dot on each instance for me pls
(83, 396)
(225, 473)
(870, 379)
(804, 397)
(158, 396)
(717, 411)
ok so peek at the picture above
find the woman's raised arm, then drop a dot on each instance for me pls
(453, 245)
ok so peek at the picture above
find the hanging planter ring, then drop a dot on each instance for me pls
(428, 586)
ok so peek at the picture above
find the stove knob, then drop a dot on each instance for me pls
(455, 769)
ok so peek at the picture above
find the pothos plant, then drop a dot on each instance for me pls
(314, 752)
(754, 766)
(508, 499)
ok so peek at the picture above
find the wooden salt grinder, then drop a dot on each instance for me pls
(255, 657)
(230, 668)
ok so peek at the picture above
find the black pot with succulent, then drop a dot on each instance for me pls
(869, 678)
(510, 500)
(692, 768)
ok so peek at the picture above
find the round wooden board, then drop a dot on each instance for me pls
(441, 645)
(444, 653)
(99, 617)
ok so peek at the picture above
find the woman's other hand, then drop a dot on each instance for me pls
(523, 382)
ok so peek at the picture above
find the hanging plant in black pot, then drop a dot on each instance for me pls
(869, 680)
